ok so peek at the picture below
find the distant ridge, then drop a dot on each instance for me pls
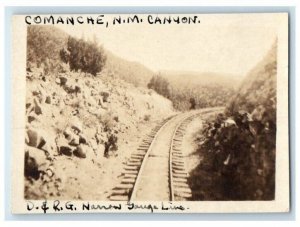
(132, 72)
(192, 79)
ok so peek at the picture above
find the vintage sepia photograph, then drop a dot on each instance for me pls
(152, 108)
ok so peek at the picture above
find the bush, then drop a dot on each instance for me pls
(85, 56)
(240, 153)
(147, 117)
(160, 85)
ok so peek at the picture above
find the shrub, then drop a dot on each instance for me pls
(85, 56)
(240, 153)
(160, 85)
(147, 117)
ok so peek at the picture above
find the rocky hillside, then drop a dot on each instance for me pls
(238, 148)
(73, 117)
(258, 89)
(79, 127)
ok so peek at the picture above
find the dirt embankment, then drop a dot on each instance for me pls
(80, 129)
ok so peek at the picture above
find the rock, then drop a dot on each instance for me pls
(35, 93)
(105, 96)
(77, 125)
(63, 80)
(80, 152)
(34, 139)
(259, 192)
(75, 140)
(31, 169)
(63, 146)
(35, 159)
(68, 134)
(48, 100)
(77, 89)
(66, 150)
(259, 172)
(82, 139)
(57, 81)
(41, 142)
(30, 118)
(28, 105)
(37, 108)
(50, 171)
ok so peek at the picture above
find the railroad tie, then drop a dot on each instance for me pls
(136, 159)
(133, 176)
(183, 190)
(120, 192)
(131, 167)
(179, 168)
(176, 149)
(129, 172)
(181, 185)
(132, 163)
(181, 180)
(119, 198)
(124, 186)
(177, 159)
(178, 156)
(142, 149)
(179, 171)
(138, 154)
(176, 152)
(178, 163)
(128, 181)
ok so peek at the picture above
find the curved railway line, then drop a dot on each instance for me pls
(156, 171)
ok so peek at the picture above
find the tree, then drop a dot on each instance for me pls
(160, 85)
(85, 56)
(193, 103)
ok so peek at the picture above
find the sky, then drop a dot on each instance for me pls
(225, 43)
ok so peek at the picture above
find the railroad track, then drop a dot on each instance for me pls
(135, 170)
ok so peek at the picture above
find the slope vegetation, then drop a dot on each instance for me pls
(238, 148)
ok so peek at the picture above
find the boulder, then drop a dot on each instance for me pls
(63, 80)
(35, 159)
(37, 108)
(30, 118)
(77, 125)
(82, 139)
(77, 89)
(57, 81)
(35, 93)
(75, 140)
(105, 96)
(34, 139)
(66, 150)
(48, 100)
(31, 169)
(80, 151)
(68, 134)
(63, 146)
(28, 105)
